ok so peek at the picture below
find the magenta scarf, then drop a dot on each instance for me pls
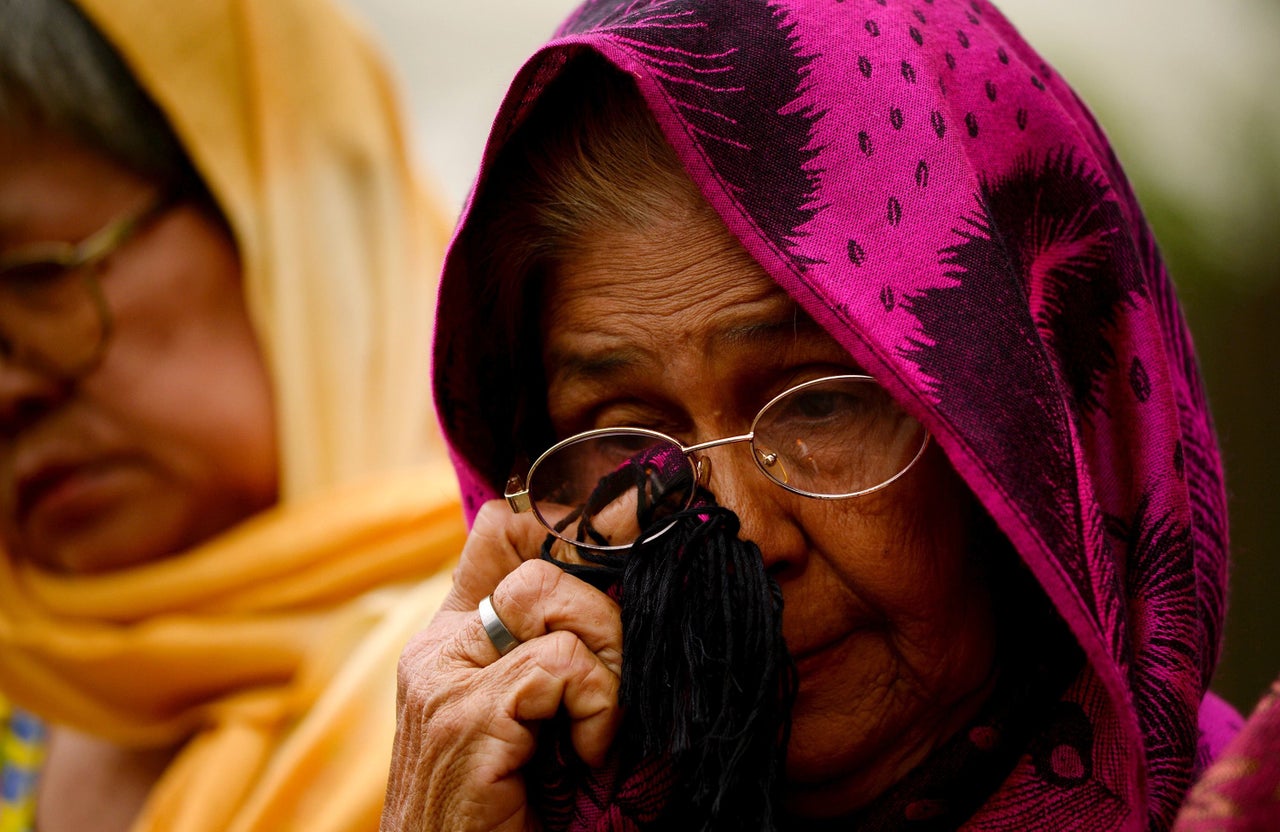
(937, 198)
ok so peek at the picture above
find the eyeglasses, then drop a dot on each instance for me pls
(831, 438)
(53, 314)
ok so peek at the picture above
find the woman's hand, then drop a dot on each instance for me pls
(467, 718)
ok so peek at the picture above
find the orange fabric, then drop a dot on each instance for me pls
(287, 695)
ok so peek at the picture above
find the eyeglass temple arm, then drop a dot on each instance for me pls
(110, 238)
(715, 443)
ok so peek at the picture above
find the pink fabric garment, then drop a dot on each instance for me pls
(1241, 791)
(937, 197)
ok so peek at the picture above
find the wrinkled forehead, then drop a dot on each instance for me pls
(667, 301)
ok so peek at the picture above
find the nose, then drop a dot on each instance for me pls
(26, 394)
(762, 507)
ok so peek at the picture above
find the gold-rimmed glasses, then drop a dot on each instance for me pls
(53, 314)
(831, 438)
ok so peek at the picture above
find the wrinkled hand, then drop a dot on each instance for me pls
(467, 719)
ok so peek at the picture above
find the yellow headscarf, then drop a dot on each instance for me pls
(270, 651)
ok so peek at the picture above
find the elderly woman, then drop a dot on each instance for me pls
(870, 273)
(218, 500)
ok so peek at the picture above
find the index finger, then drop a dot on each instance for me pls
(540, 598)
(498, 543)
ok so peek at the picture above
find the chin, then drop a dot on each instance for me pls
(822, 748)
(843, 729)
(833, 767)
(106, 544)
(89, 557)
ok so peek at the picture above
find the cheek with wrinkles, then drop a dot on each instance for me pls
(866, 670)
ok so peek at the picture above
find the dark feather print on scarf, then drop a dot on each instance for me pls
(1162, 574)
(1202, 475)
(731, 73)
(939, 200)
(1041, 240)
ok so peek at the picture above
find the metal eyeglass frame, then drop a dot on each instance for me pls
(83, 258)
(517, 492)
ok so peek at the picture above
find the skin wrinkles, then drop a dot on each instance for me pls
(884, 604)
(628, 281)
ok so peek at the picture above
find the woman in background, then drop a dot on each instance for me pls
(221, 506)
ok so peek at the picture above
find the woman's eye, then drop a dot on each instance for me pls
(622, 447)
(33, 276)
(821, 404)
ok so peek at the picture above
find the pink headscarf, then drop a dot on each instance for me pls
(941, 202)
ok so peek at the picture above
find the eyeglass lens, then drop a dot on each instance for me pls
(838, 437)
(50, 315)
(607, 490)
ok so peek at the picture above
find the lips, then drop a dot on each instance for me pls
(41, 483)
(64, 482)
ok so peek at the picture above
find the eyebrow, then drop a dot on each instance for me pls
(596, 366)
(570, 365)
(790, 327)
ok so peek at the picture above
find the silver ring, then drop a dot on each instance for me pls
(502, 639)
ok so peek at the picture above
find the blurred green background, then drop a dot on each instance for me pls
(1186, 90)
